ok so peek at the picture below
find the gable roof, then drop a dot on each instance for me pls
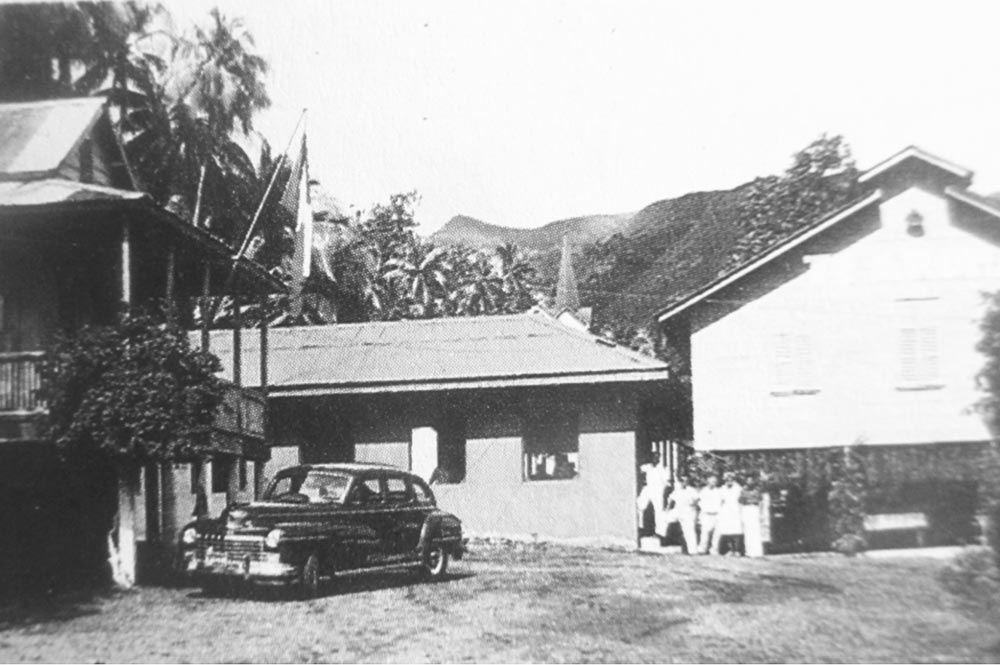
(949, 172)
(36, 137)
(435, 354)
(771, 253)
(916, 153)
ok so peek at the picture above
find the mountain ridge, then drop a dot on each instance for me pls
(628, 265)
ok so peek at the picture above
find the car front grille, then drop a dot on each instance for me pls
(235, 548)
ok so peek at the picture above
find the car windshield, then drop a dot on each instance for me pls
(314, 486)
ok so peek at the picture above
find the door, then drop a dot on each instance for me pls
(405, 519)
(366, 515)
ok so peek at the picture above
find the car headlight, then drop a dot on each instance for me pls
(189, 536)
(273, 538)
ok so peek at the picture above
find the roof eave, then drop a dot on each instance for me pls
(773, 253)
(913, 151)
(141, 200)
(973, 200)
(478, 383)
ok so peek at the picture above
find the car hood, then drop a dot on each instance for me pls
(262, 515)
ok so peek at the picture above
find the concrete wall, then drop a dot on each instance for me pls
(495, 498)
(847, 311)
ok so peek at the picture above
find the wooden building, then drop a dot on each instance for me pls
(860, 328)
(77, 242)
(528, 428)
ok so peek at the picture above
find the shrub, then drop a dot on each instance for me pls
(848, 496)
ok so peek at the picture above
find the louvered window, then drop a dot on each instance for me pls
(919, 359)
(794, 365)
(918, 339)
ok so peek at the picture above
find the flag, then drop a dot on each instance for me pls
(295, 199)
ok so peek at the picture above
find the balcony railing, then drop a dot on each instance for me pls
(241, 411)
(20, 380)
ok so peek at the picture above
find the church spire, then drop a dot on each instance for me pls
(567, 296)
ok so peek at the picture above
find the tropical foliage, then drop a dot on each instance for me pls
(376, 268)
(183, 101)
(133, 392)
(821, 178)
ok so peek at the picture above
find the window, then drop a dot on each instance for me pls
(917, 345)
(366, 492)
(243, 473)
(919, 365)
(395, 490)
(421, 493)
(551, 446)
(793, 365)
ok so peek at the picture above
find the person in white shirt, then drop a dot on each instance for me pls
(730, 524)
(656, 480)
(709, 504)
(684, 502)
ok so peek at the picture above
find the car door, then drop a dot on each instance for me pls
(404, 518)
(365, 512)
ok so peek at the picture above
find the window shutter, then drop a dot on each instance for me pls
(793, 362)
(919, 356)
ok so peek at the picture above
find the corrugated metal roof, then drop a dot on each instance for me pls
(56, 190)
(35, 137)
(448, 352)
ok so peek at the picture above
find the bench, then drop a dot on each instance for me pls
(898, 522)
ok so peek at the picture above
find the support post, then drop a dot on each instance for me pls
(206, 276)
(125, 264)
(170, 290)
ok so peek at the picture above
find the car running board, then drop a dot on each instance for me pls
(375, 569)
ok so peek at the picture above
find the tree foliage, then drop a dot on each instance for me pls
(821, 178)
(376, 268)
(183, 101)
(133, 392)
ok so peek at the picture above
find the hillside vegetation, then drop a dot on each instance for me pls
(629, 266)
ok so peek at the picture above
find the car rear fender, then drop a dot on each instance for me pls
(430, 530)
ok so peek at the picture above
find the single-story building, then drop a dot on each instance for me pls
(528, 428)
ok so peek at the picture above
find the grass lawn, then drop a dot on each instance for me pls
(544, 603)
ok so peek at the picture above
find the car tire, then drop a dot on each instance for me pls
(435, 563)
(309, 578)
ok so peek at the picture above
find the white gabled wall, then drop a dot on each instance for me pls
(839, 324)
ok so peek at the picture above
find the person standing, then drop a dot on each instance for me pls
(730, 524)
(750, 508)
(709, 504)
(654, 485)
(684, 502)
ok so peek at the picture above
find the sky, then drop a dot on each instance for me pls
(521, 113)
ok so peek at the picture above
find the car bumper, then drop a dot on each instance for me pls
(267, 569)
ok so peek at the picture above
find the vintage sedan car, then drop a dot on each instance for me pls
(320, 521)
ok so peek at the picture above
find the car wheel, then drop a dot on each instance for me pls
(309, 578)
(436, 562)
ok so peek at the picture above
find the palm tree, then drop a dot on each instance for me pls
(182, 136)
(479, 290)
(516, 276)
(417, 279)
(88, 37)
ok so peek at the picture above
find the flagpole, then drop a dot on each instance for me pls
(270, 186)
(246, 240)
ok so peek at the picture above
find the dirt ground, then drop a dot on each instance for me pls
(533, 603)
